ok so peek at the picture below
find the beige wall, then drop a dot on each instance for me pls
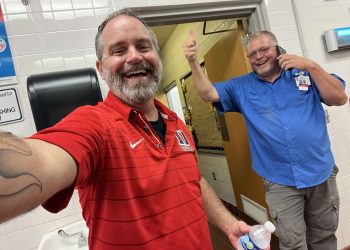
(175, 67)
(162, 98)
(174, 61)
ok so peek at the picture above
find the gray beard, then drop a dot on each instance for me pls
(138, 92)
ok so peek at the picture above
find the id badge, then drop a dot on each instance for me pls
(303, 82)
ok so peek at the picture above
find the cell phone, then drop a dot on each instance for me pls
(280, 50)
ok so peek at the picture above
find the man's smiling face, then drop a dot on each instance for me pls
(263, 54)
(130, 63)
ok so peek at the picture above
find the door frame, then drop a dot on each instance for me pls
(194, 12)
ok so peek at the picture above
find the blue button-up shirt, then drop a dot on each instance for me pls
(287, 130)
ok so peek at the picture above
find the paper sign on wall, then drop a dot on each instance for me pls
(7, 71)
(10, 110)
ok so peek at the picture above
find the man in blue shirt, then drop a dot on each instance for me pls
(290, 148)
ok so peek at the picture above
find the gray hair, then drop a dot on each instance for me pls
(122, 12)
(262, 33)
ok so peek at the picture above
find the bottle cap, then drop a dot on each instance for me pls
(269, 227)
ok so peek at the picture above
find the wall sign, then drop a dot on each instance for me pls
(10, 110)
(7, 71)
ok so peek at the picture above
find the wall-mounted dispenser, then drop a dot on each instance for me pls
(337, 39)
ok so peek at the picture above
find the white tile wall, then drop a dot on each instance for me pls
(82, 4)
(102, 4)
(43, 22)
(52, 35)
(65, 20)
(13, 6)
(61, 5)
(40, 5)
(85, 19)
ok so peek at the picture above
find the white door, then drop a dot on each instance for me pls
(175, 102)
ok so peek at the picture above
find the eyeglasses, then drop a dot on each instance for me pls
(263, 51)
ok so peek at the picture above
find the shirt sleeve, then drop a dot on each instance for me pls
(340, 79)
(81, 135)
(227, 95)
(337, 77)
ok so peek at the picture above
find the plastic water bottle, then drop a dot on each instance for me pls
(258, 238)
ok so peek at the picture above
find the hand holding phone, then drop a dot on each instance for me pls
(280, 50)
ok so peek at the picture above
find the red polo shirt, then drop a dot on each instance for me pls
(136, 192)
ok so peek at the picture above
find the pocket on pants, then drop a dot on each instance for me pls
(335, 170)
(267, 184)
(331, 219)
(335, 199)
(287, 214)
(330, 205)
(290, 235)
(335, 217)
(280, 228)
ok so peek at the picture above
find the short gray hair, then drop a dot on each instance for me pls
(122, 12)
(262, 33)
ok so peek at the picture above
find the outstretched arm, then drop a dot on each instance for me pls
(31, 171)
(220, 216)
(330, 88)
(204, 87)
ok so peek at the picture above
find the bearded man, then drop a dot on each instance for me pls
(130, 157)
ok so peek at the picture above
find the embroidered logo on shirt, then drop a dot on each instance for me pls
(133, 145)
(183, 141)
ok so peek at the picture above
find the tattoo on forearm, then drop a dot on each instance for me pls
(12, 179)
(12, 185)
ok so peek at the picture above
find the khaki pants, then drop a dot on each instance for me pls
(305, 218)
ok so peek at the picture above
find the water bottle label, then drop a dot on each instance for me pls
(247, 243)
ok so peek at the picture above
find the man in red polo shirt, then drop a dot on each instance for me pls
(131, 158)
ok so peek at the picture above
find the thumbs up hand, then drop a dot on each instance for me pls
(190, 47)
